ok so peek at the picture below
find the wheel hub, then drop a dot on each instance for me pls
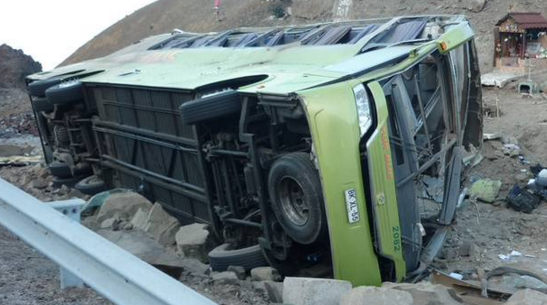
(293, 201)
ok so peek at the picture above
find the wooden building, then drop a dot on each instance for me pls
(520, 36)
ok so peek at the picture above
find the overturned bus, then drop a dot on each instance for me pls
(335, 147)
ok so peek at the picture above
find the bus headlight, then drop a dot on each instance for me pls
(363, 108)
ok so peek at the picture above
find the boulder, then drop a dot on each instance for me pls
(225, 278)
(111, 223)
(312, 291)
(195, 266)
(477, 6)
(139, 219)
(470, 249)
(377, 296)
(162, 226)
(259, 287)
(125, 204)
(194, 241)
(146, 248)
(527, 297)
(265, 274)
(39, 183)
(427, 293)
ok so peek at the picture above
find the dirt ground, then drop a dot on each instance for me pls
(28, 278)
(494, 229)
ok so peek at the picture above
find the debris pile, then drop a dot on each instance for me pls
(37, 181)
(18, 124)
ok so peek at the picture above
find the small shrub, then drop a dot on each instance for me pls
(278, 9)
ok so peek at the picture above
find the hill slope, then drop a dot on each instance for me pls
(197, 16)
(15, 65)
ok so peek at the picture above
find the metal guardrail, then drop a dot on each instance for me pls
(111, 271)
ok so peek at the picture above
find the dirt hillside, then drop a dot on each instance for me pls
(197, 15)
(15, 65)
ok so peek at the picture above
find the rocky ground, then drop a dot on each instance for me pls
(491, 229)
(27, 277)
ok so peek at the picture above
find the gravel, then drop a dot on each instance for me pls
(27, 278)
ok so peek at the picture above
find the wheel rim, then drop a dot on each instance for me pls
(293, 201)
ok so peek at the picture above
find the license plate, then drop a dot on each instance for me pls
(351, 205)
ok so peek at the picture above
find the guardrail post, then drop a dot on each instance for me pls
(72, 208)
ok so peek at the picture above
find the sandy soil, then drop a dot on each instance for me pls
(495, 229)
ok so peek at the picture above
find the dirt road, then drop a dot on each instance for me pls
(28, 278)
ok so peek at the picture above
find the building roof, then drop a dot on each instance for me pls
(526, 20)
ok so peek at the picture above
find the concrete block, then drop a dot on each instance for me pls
(311, 291)
(377, 296)
(426, 293)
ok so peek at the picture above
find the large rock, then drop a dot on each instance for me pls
(146, 248)
(15, 66)
(377, 296)
(310, 291)
(265, 274)
(427, 293)
(195, 266)
(162, 226)
(477, 6)
(124, 204)
(225, 278)
(194, 241)
(527, 297)
(140, 219)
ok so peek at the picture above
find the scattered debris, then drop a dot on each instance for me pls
(508, 256)
(523, 200)
(485, 190)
